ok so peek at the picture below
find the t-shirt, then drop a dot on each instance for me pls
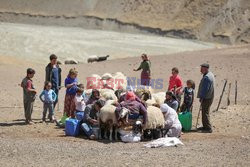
(71, 90)
(48, 96)
(55, 78)
(27, 84)
(175, 81)
(80, 104)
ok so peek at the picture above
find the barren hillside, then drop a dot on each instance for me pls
(225, 21)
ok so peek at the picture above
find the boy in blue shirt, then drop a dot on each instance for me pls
(48, 97)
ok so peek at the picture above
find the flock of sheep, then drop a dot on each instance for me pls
(90, 59)
(107, 115)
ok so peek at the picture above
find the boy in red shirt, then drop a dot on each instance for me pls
(175, 84)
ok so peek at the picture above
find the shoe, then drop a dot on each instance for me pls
(200, 128)
(207, 131)
(92, 137)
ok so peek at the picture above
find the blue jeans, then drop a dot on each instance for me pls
(46, 107)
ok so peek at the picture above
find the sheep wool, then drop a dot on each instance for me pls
(159, 97)
(155, 118)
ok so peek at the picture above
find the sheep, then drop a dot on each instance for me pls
(155, 119)
(92, 59)
(159, 97)
(151, 102)
(108, 119)
(108, 94)
(92, 81)
(106, 76)
(144, 93)
(102, 58)
(70, 61)
(120, 81)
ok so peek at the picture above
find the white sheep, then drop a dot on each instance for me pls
(155, 117)
(120, 81)
(92, 58)
(108, 119)
(108, 94)
(92, 81)
(159, 97)
(106, 76)
(151, 102)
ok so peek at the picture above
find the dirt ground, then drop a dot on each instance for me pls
(45, 145)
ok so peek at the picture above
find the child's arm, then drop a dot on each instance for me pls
(70, 85)
(41, 95)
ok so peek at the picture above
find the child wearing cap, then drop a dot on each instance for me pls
(29, 95)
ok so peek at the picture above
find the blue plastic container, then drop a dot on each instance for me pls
(87, 129)
(72, 127)
(79, 116)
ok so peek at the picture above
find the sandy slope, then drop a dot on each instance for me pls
(35, 42)
(45, 145)
(225, 21)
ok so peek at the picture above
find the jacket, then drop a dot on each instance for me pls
(206, 87)
(48, 73)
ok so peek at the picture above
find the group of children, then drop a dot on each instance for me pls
(75, 98)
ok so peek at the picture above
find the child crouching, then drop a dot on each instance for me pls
(48, 97)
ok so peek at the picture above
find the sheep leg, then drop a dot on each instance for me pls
(105, 134)
(116, 129)
(111, 132)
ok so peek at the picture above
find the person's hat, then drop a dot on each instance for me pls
(205, 65)
(130, 96)
(164, 108)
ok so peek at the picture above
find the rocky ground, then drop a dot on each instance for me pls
(45, 145)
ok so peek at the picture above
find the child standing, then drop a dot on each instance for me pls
(188, 96)
(71, 85)
(79, 100)
(85, 97)
(29, 95)
(48, 97)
